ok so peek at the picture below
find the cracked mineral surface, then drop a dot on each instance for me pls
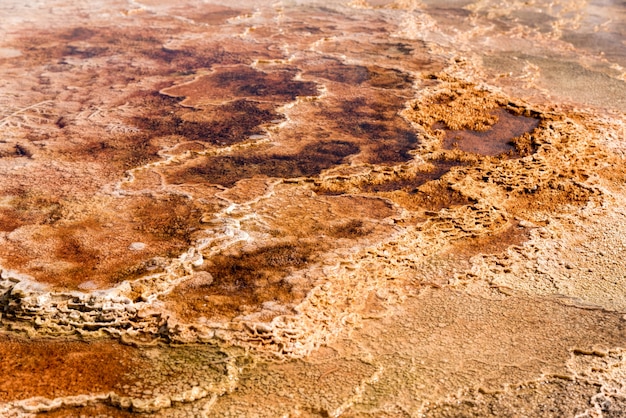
(353, 208)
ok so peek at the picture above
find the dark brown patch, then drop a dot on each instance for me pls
(84, 52)
(341, 73)
(389, 78)
(51, 48)
(189, 60)
(77, 34)
(22, 151)
(222, 125)
(432, 197)
(226, 84)
(170, 220)
(243, 281)
(354, 228)
(420, 191)
(162, 116)
(119, 152)
(374, 121)
(497, 140)
(412, 183)
(122, 151)
(14, 151)
(214, 15)
(391, 51)
(61, 122)
(84, 43)
(227, 170)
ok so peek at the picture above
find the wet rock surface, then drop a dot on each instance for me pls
(359, 208)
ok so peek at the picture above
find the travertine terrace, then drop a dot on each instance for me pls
(352, 208)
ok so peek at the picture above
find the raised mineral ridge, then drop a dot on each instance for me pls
(366, 208)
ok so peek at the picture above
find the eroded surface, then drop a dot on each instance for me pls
(416, 206)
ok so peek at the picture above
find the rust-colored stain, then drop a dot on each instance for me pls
(54, 368)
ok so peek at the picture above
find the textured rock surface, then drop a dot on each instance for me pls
(354, 208)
